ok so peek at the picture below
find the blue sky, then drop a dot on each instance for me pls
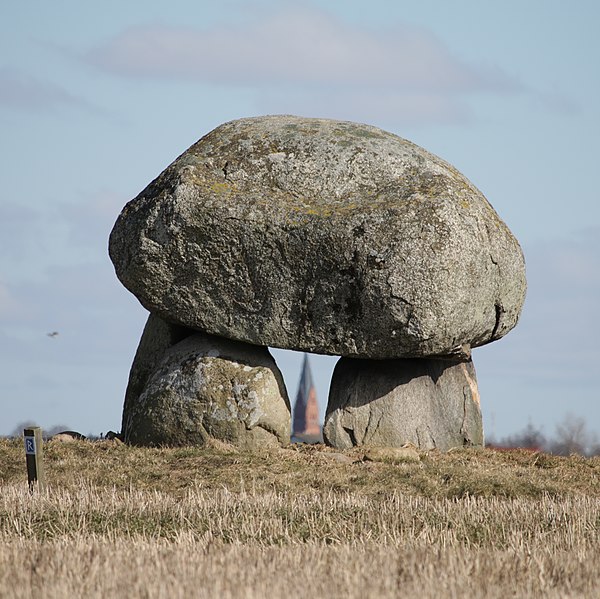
(96, 100)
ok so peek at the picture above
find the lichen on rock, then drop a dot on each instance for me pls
(322, 236)
(203, 388)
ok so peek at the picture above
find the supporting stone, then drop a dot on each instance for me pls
(431, 403)
(157, 338)
(187, 387)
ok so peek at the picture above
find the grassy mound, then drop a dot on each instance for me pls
(304, 521)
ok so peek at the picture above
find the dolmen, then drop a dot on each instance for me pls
(320, 236)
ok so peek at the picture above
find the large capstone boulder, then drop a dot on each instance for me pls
(186, 388)
(430, 403)
(322, 236)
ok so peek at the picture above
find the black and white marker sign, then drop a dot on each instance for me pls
(29, 445)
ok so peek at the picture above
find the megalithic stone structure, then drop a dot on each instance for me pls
(306, 409)
(318, 236)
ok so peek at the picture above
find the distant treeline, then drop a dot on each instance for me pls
(571, 436)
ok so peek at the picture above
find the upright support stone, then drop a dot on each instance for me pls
(157, 338)
(431, 403)
(188, 387)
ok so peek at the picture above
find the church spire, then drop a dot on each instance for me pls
(306, 408)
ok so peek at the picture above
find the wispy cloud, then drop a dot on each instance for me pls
(310, 55)
(305, 46)
(90, 221)
(23, 92)
(64, 283)
(558, 103)
(9, 306)
(36, 236)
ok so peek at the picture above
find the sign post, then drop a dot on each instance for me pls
(34, 457)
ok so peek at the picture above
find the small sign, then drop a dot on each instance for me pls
(29, 445)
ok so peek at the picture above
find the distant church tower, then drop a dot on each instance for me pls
(306, 409)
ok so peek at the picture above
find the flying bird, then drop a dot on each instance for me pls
(53, 334)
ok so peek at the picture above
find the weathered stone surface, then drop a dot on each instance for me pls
(430, 403)
(323, 236)
(187, 392)
(157, 338)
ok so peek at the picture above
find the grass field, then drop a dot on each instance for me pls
(300, 522)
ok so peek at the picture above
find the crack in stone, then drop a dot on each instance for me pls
(499, 308)
(421, 441)
(370, 432)
(499, 311)
(351, 435)
(271, 430)
(464, 419)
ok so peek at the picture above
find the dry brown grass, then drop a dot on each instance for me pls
(301, 522)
